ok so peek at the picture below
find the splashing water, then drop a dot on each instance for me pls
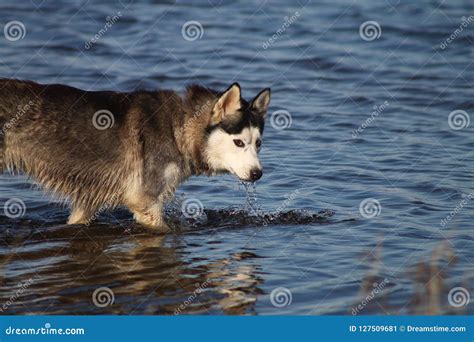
(250, 213)
(251, 204)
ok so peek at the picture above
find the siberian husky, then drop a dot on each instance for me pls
(103, 148)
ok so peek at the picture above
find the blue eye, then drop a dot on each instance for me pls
(239, 143)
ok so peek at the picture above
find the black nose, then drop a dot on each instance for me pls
(255, 175)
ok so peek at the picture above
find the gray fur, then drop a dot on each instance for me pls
(157, 141)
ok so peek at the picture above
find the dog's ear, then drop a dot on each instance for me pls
(261, 101)
(227, 104)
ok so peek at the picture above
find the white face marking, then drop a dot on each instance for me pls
(223, 155)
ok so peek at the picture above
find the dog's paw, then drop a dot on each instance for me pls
(152, 222)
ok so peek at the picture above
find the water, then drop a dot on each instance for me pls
(401, 158)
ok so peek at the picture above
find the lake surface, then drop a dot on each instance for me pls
(363, 163)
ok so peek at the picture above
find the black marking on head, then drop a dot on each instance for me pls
(245, 117)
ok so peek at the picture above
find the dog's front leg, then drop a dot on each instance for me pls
(146, 194)
(151, 215)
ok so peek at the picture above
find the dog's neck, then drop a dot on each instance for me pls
(191, 133)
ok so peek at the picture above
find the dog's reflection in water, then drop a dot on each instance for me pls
(148, 273)
(228, 285)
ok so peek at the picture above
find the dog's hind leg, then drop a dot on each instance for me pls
(80, 215)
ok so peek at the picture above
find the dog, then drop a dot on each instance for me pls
(106, 149)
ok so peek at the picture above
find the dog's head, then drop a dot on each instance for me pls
(235, 134)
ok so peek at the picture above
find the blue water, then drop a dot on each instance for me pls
(402, 157)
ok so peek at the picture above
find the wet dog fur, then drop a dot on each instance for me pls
(152, 141)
